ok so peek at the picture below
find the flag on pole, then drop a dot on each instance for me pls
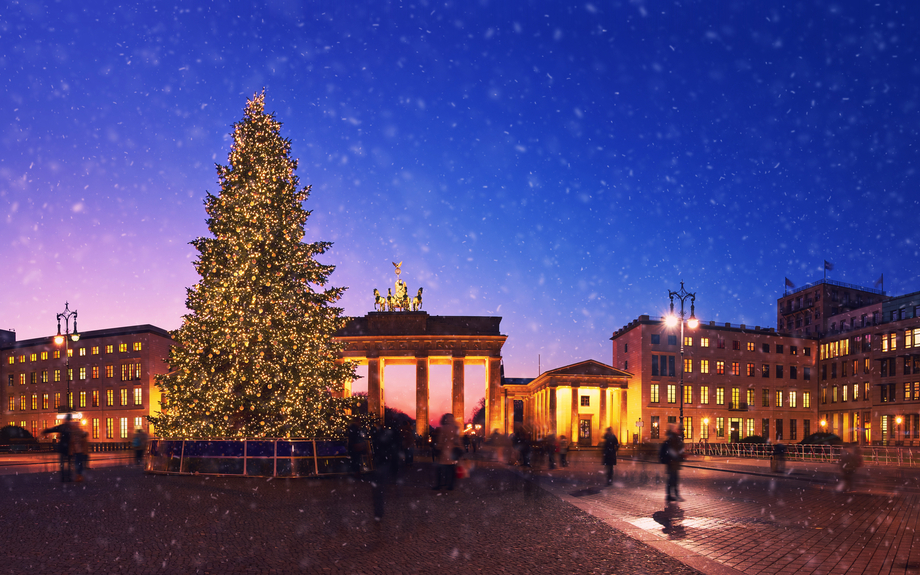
(789, 283)
(828, 265)
(880, 280)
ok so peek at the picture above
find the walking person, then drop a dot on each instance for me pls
(850, 460)
(63, 445)
(139, 443)
(449, 450)
(671, 454)
(386, 456)
(611, 446)
(563, 451)
(79, 449)
(550, 446)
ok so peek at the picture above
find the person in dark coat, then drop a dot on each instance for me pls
(611, 446)
(672, 455)
(357, 447)
(386, 457)
(64, 431)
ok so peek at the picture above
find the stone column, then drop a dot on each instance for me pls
(575, 402)
(421, 396)
(456, 389)
(509, 415)
(375, 386)
(603, 422)
(552, 411)
(493, 393)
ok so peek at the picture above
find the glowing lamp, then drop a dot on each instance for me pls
(670, 321)
(59, 339)
(693, 323)
(898, 420)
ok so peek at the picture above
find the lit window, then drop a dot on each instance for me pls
(704, 366)
(109, 397)
(779, 398)
(82, 351)
(688, 427)
(720, 427)
(124, 396)
(110, 371)
(704, 342)
(45, 401)
(139, 396)
(688, 394)
(750, 346)
(95, 428)
(122, 347)
(653, 397)
(704, 394)
(137, 346)
(22, 379)
(82, 399)
(95, 350)
(720, 367)
(11, 360)
(720, 396)
(57, 400)
(44, 376)
(95, 372)
(33, 357)
(123, 426)
(22, 359)
(95, 398)
(688, 365)
(688, 341)
(792, 399)
(736, 368)
(806, 398)
(109, 348)
(109, 428)
(82, 373)
(34, 401)
(44, 355)
(585, 400)
(750, 370)
(672, 393)
(750, 399)
(12, 406)
(138, 423)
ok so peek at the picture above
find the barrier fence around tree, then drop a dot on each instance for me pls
(251, 458)
(875, 455)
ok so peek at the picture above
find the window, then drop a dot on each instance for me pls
(688, 341)
(670, 366)
(109, 397)
(57, 375)
(672, 393)
(57, 400)
(123, 426)
(736, 368)
(672, 340)
(736, 345)
(655, 371)
(56, 354)
(23, 405)
(779, 348)
(95, 428)
(656, 339)
(793, 350)
(806, 399)
(138, 423)
(720, 427)
(704, 366)
(11, 360)
(779, 429)
(807, 351)
(688, 365)
(82, 373)
(704, 342)
(866, 365)
(122, 347)
(793, 372)
(124, 396)
(95, 398)
(765, 348)
(793, 399)
(749, 428)
(11, 380)
(82, 399)
(44, 376)
(656, 427)
(82, 352)
(95, 350)
(765, 397)
(736, 398)
(834, 394)
(750, 346)
(720, 343)
(653, 396)
(137, 346)
(22, 379)
(95, 372)
(33, 357)
(34, 401)
(625, 348)
(45, 401)
(765, 428)
(793, 431)
(688, 393)
(704, 430)
(750, 397)
(779, 398)
(585, 399)
(110, 371)
(109, 428)
(12, 406)
(765, 370)
(33, 378)
(720, 367)
(720, 396)
(779, 372)
(750, 370)
(806, 373)
(22, 359)
(139, 396)
(109, 348)
(704, 394)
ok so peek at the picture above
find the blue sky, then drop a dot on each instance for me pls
(562, 165)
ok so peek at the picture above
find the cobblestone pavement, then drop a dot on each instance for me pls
(123, 521)
(755, 522)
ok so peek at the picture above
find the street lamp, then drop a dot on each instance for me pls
(65, 339)
(692, 323)
(898, 420)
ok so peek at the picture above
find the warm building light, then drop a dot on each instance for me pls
(823, 423)
(670, 321)
(693, 323)
(898, 420)
(59, 339)
(706, 420)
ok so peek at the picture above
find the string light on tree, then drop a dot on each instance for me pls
(254, 356)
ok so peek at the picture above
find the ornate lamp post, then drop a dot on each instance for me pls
(692, 323)
(65, 339)
(899, 420)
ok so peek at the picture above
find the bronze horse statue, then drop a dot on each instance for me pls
(417, 301)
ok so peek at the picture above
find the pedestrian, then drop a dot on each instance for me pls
(356, 444)
(386, 456)
(63, 446)
(408, 439)
(611, 446)
(449, 452)
(671, 454)
(79, 448)
(139, 443)
(563, 451)
(850, 460)
(549, 445)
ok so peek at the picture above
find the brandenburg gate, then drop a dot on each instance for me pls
(416, 338)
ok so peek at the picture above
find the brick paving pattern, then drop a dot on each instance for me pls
(123, 521)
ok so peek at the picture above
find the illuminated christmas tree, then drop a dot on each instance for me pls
(255, 355)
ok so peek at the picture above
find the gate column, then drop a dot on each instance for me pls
(575, 421)
(456, 389)
(375, 386)
(493, 394)
(421, 396)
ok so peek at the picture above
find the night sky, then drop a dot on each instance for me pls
(562, 165)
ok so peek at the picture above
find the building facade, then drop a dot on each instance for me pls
(111, 373)
(806, 311)
(739, 381)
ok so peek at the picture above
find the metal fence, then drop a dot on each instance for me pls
(874, 455)
(251, 458)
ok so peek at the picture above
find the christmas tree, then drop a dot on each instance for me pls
(255, 355)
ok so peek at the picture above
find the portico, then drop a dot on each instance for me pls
(416, 338)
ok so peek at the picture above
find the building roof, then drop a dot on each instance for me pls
(93, 334)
